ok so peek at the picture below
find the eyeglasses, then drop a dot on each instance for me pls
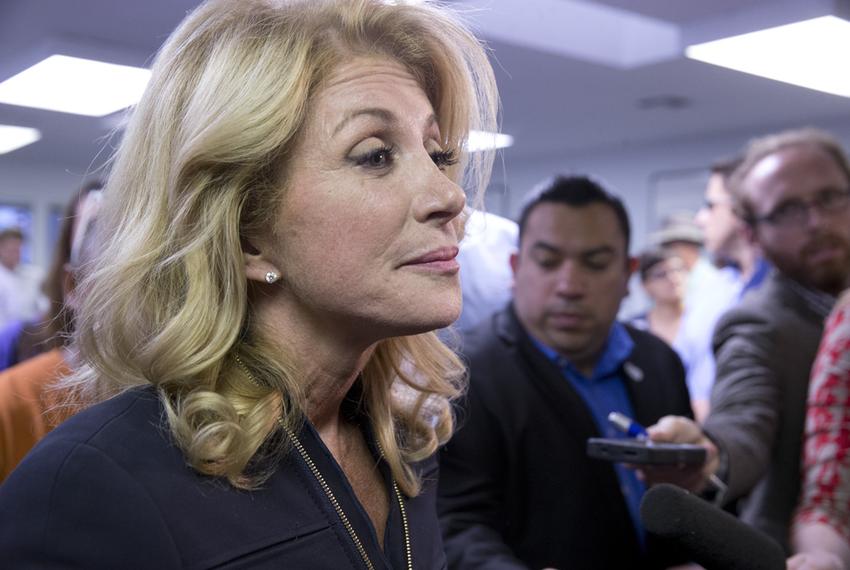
(710, 204)
(796, 212)
(664, 273)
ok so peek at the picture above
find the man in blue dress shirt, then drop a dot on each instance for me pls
(517, 489)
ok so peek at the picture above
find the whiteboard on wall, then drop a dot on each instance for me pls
(673, 192)
(669, 192)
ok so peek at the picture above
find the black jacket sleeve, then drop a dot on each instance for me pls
(472, 491)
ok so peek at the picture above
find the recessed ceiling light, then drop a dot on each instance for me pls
(670, 102)
(13, 138)
(810, 54)
(74, 85)
(482, 140)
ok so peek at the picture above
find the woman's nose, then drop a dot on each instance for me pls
(441, 199)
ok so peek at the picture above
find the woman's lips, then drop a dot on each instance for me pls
(441, 260)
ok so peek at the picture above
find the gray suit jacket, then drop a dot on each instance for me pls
(764, 349)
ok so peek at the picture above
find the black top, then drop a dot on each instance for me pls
(109, 489)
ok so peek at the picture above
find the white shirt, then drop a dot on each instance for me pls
(715, 294)
(485, 273)
(20, 294)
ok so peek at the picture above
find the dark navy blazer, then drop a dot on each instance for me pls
(517, 489)
(108, 489)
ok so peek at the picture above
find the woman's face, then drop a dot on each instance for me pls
(366, 237)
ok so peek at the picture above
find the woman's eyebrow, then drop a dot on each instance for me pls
(378, 112)
(382, 114)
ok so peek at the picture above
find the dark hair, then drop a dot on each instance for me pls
(576, 192)
(8, 233)
(53, 330)
(726, 166)
(649, 259)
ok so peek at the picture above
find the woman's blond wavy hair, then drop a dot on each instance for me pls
(198, 174)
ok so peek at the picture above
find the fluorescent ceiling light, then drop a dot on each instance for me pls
(13, 138)
(811, 53)
(74, 85)
(482, 140)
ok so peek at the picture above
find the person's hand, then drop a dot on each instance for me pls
(678, 429)
(815, 561)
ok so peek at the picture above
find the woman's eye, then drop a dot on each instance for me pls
(444, 158)
(377, 158)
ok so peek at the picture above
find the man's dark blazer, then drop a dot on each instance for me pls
(516, 486)
(764, 349)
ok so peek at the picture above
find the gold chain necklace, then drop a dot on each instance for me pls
(408, 551)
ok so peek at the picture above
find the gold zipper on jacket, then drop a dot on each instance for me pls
(408, 552)
(341, 514)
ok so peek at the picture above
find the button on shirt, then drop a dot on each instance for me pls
(605, 392)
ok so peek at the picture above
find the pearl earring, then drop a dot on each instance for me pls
(271, 277)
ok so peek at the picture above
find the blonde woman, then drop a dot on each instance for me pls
(280, 228)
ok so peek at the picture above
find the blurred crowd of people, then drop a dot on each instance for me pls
(281, 344)
(740, 292)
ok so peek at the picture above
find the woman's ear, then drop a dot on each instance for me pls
(69, 286)
(257, 267)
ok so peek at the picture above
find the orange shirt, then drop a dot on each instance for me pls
(24, 401)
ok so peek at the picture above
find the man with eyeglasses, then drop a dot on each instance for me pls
(741, 269)
(793, 192)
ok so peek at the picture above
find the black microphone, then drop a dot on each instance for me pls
(714, 538)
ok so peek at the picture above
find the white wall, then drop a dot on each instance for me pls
(637, 172)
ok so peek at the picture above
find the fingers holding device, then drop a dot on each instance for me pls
(645, 452)
(687, 464)
(638, 449)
